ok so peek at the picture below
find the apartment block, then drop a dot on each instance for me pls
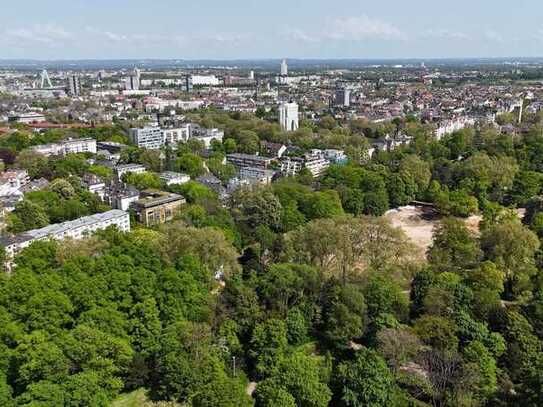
(74, 229)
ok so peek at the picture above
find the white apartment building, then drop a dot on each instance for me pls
(288, 116)
(208, 135)
(12, 181)
(126, 168)
(257, 175)
(205, 80)
(291, 166)
(173, 178)
(157, 104)
(452, 125)
(74, 85)
(74, 229)
(175, 136)
(147, 137)
(70, 146)
(154, 137)
(284, 68)
(316, 164)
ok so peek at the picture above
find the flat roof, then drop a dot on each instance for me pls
(156, 199)
(248, 157)
(63, 227)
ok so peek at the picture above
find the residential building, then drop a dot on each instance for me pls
(204, 80)
(452, 125)
(133, 80)
(121, 196)
(74, 85)
(26, 118)
(275, 150)
(147, 137)
(95, 185)
(215, 184)
(156, 207)
(12, 181)
(126, 168)
(335, 156)
(174, 136)
(342, 97)
(174, 178)
(257, 175)
(207, 135)
(111, 146)
(291, 166)
(248, 160)
(70, 146)
(284, 68)
(288, 116)
(316, 164)
(74, 229)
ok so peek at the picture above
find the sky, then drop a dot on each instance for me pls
(257, 29)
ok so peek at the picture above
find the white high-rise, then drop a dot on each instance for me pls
(284, 68)
(288, 116)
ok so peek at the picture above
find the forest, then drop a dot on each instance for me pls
(299, 290)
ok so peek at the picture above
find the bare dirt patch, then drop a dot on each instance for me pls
(417, 223)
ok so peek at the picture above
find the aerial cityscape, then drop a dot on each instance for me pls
(327, 205)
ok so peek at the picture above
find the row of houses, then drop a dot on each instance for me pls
(154, 138)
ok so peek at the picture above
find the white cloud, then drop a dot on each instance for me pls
(300, 35)
(358, 28)
(120, 38)
(361, 28)
(445, 34)
(50, 35)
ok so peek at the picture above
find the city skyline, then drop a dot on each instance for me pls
(246, 30)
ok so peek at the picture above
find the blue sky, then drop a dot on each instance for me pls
(229, 29)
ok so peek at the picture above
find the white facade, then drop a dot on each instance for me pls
(154, 103)
(154, 137)
(132, 83)
(284, 68)
(450, 126)
(12, 181)
(175, 136)
(148, 137)
(316, 164)
(209, 135)
(74, 229)
(174, 178)
(126, 168)
(288, 116)
(70, 146)
(257, 175)
(291, 166)
(205, 80)
(27, 118)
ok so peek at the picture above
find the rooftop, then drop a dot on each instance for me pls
(154, 198)
(62, 227)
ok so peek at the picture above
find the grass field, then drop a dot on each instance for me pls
(138, 398)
